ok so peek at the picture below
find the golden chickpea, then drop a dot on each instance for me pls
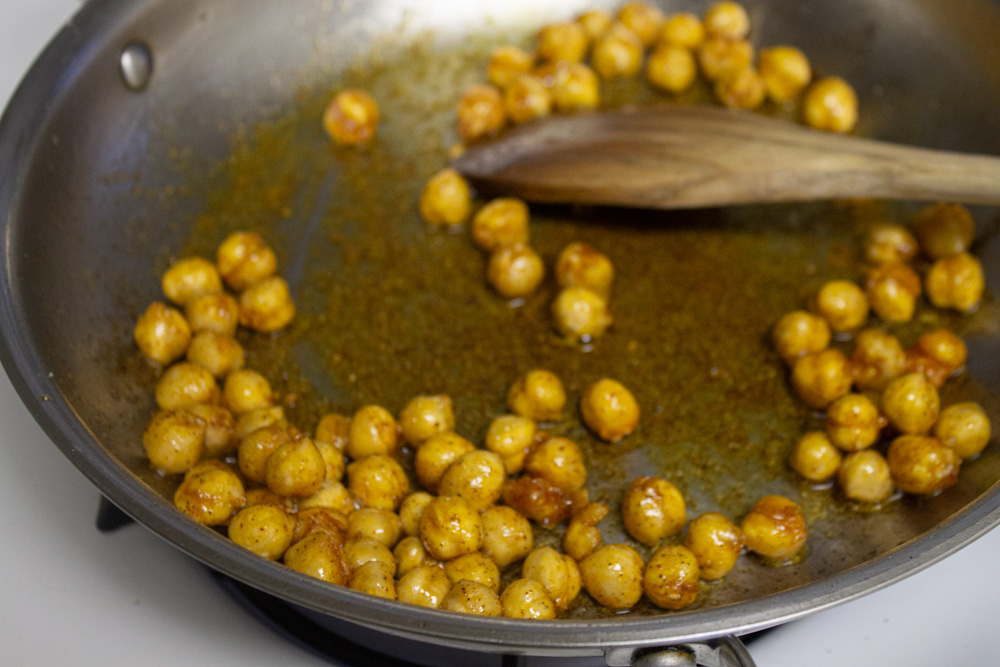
(361, 550)
(446, 199)
(831, 104)
(800, 333)
(742, 89)
(911, 403)
(582, 265)
(511, 436)
(425, 586)
(642, 18)
(351, 118)
(412, 509)
(613, 575)
(220, 429)
(558, 574)
(574, 88)
(671, 68)
(609, 410)
(377, 481)
(507, 63)
(480, 113)
(174, 441)
(842, 304)
(562, 42)
(190, 278)
(477, 567)
(937, 354)
(210, 494)
(684, 30)
(716, 543)
(671, 577)
(538, 500)
(218, 312)
(334, 463)
(956, 282)
(162, 333)
(450, 527)
(184, 385)
(892, 291)
(374, 578)
(373, 431)
(501, 222)
(821, 378)
(436, 455)
(325, 520)
(331, 495)
(878, 358)
(477, 477)
(263, 529)
(255, 449)
(775, 527)
(815, 457)
(219, 354)
(378, 524)
(560, 462)
(922, 464)
(244, 258)
(320, 556)
(267, 305)
(965, 428)
(581, 314)
(864, 476)
(515, 270)
(469, 597)
(786, 72)
(727, 19)
(526, 598)
(264, 496)
(582, 536)
(944, 229)
(595, 23)
(526, 98)
(296, 469)
(537, 395)
(852, 422)
(257, 419)
(335, 429)
(719, 56)
(653, 509)
(507, 535)
(247, 390)
(889, 243)
(617, 53)
(409, 554)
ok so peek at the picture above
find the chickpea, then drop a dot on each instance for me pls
(821, 378)
(526, 98)
(786, 72)
(373, 431)
(265, 496)
(965, 428)
(507, 535)
(955, 282)
(560, 462)
(477, 477)
(325, 520)
(446, 199)
(469, 597)
(296, 469)
(218, 312)
(334, 463)
(361, 550)
(775, 528)
(562, 42)
(267, 305)
(642, 18)
(220, 429)
(526, 598)
(332, 494)
(878, 358)
(831, 104)
(609, 410)
(653, 509)
(671, 577)
(450, 527)
(412, 509)
(377, 481)
(613, 575)
(582, 265)
(256, 449)
(574, 88)
(892, 291)
(944, 230)
(537, 395)
(583, 537)
(425, 586)
(219, 354)
(800, 333)
(727, 19)
(815, 457)
(374, 578)
(911, 403)
(244, 258)
(922, 465)
(864, 476)
(511, 436)
(507, 63)
(558, 574)
(501, 222)
(595, 23)
(842, 304)
(581, 314)
(536, 499)
(852, 422)
(257, 419)
(477, 567)
(671, 68)
(937, 354)
(351, 118)
(184, 385)
(480, 113)
(889, 243)
(335, 429)
(436, 455)
(719, 56)
(378, 524)
(162, 333)
(318, 555)
(247, 390)
(741, 89)
(210, 494)
(716, 543)
(190, 278)
(174, 441)
(409, 554)
(515, 270)
(263, 529)
(617, 53)
(684, 30)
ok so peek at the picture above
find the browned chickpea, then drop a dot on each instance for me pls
(852, 422)
(558, 573)
(174, 441)
(965, 428)
(425, 586)
(716, 543)
(244, 258)
(775, 528)
(538, 500)
(815, 457)
(210, 494)
(671, 68)
(220, 429)
(162, 333)
(642, 18)
(800, 333)
(425, 416)
(786, 72)
(956, 282)
(409, 554)
(318, 555)
(831, 104)
(892, 291)
(361, 550)
(609, 410)
(184, 385)
(334, 428)
(842, 304)
(446, 199)
(255, 449)
(377, 481)
(219, 354)
(374, 578)
(741, 89)
(582, 265)
(684, 30)
(373, 431)
(911, 403)
(511, 436)
(526, 598)
(526, 98)
(477, 477)
(574, 87)
(380, 525)
(263, 529)
(515, 270)
(653, 509)
(469, 597)
(296, 469)
(480, 113)
(581, 314)
(562, 42)
(331, 495)
(507, 535)
(247, 390)
(333, 460)
(251, 421)
(218, 312)
(309, 520)
(351, 118)
(582, 535)
(937, 354)
(671, 577)
(719, 56)
(436, 455)
(922, 465)
(613, 575)
(267, 305)
(617, 53)
(821, 378)
(450, 527)
(864, 476)
(501, 222)
(560, 462)
(889, 243)
(944, 229)
(190, 278)
(477, 567)
(538, 395)
(412, 509)
(507, 63)
(727, 19)
(595, 23)
(878, 358)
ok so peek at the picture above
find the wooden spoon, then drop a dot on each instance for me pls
(675, 156)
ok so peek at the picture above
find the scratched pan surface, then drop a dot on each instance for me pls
(103, 187)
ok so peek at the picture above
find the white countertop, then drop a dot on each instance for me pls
(73, 596)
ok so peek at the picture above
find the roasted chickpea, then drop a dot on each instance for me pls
(220, 429)
(377, 481)
(560, 462)
(671, 68)
(507, 535)
(937, 354)
(333, 460)
(719, 56)
(684, 30)
(653, 509)
(582, 265)
(335, 429)
(613, 575)
(965, 428)
(815, 457)
(741, 89)
(190, 278)
(255, 449)
(480, 113)
(246, 390)
(501, 222)
(409, 554)
(574, 87)
(425, 586)
(477, 477)
(174, 441)
(332, 495)
(296, 469)
(821, 378)
(864, 476)
(727, 19)
(210, 494)
(582, 536)
(436, 455)
(515, 270)
(716, 543)
(831, 104)
(507, 63)
(265, 496)
(446, 199)
(351, 118)
(786, 72)
(557, 572)
(377, 524)
(469, 597)
(878, 358)
(800, 333)
(775, 528)
(318, 555)
(477, 567)
(374, 578)
(617, 53)
(922, 465)
(944, 229)
(244, 258)
(671, 577)
(162, 333)
(450, 527)
(642, 18)
(955, 282)
(889, 243)
(219, 354)
(218, 312)
(911, 403)
(609, 410)
(537, 395)
(309, 520)
(852, 422)
(257, 419)
(526, 598)
(892, 291)
(842, 304)
(267, 305)
(511, 436)
(562, 42)
(361, 550)
(373, 431)
(263, 529)
(595, 23)
(538, 500)
(581, 314)
(526, 98)
(412, 509)
(184, 385)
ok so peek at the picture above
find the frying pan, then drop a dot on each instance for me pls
(110, 174)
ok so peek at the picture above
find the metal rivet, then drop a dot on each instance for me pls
(136, 63)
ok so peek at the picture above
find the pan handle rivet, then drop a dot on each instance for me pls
(136, 65)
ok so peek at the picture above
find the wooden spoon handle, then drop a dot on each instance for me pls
(695, 156)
